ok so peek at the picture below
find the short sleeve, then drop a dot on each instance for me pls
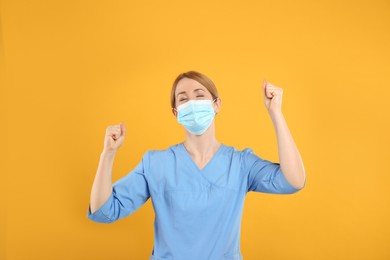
(263, 175)
(128, 194)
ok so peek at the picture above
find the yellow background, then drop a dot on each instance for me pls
(71, 68)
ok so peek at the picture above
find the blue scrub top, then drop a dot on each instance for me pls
(197, 212)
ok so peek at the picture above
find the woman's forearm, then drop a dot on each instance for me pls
(102, 185)
(290, 160)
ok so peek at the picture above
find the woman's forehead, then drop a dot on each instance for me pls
(188, 85)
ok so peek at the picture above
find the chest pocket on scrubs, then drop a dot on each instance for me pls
(193, 209)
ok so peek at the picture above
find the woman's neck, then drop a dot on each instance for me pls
(202, 146)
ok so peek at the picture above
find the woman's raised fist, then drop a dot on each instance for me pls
(115, 135)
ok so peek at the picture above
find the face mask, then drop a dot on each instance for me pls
(196, 115)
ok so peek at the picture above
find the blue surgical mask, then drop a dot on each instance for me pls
(196, 115)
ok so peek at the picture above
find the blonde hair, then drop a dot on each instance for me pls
(201, 78)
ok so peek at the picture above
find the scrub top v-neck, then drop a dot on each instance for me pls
(204, 171)
(197, 211)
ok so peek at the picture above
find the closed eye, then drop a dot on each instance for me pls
(187, 98)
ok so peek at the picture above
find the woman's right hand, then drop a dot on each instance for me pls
(114, 138)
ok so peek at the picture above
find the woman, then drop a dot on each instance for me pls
(198, 186)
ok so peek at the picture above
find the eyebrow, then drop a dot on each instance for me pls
(183, 92)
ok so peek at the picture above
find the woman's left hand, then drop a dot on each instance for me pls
(272, 97)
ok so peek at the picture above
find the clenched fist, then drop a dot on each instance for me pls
(115, 135)
(272, 97)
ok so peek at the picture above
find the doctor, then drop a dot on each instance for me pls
(197, 186)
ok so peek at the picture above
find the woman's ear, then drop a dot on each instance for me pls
(218, 104)
(174, 112)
